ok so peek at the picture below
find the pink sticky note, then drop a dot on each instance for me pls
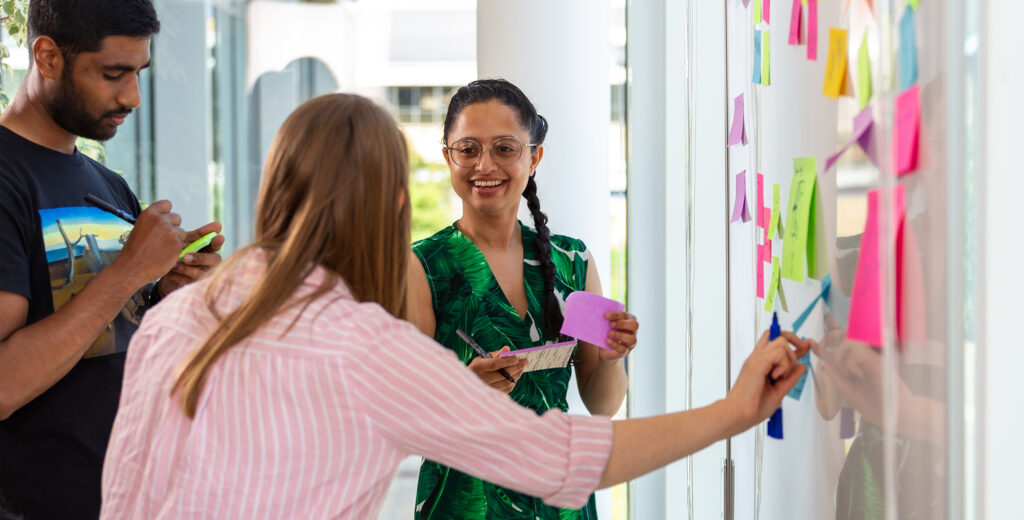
(768, 251)
(766, 11)
(584, 317)
(907, 131)
(767, 222)
(812, 29)
(760, 267)
(738, 132)
(867, 305)
(760, 198)
(794, 23)
(739, 209)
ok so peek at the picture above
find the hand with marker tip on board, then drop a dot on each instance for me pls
(193, 265)
(753, 397)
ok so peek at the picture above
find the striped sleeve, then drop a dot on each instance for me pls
(423, 400)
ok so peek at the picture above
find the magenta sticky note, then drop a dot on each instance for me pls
(795, 16)
(867, 305)
(738, 131)
(584, 317)
(760, 267)
(812, 29)
(766, 11)
(760, 199)
(767, 218)
(768, 251)
(907, 131)
(740, 210)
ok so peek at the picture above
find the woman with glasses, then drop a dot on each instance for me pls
(286, 385)
(505, 284)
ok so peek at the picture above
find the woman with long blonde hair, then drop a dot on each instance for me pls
(286, 385)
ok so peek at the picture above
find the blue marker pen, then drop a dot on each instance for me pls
(775, 422)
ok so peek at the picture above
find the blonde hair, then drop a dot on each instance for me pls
(335, 194)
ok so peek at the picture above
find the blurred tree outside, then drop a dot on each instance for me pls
(431, 194)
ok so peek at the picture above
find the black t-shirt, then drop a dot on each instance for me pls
(51, 244)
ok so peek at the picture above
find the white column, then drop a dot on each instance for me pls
(558, 53)
(999, 350)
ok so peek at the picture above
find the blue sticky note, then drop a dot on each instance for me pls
(826, 285)
(798, 390)
(757, 57)
(908, 50)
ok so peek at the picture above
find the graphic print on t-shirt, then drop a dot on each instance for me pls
(80, 242)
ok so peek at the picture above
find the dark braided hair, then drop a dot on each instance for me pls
(482, 91)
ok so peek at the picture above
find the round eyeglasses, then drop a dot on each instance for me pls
(466, 153)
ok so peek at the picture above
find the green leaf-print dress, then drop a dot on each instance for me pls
(466, 296)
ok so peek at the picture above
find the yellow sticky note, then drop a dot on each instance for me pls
(757, 12)
(817, 253)
(765, 77)
(794, 240)
(914, 3)
(773, 225)
(773, 285)
(863, 74)
(835, 71)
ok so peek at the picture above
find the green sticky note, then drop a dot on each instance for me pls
(773, 286)
(773, 225)
(817, 258)
(914, 3)
(863, 74)
(198, 244)
(794, 240)
(765, 77)
(757, 12)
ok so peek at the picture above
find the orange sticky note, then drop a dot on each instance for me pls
(907, 130)
(835, 71)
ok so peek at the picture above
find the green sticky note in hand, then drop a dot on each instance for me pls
(194, 247)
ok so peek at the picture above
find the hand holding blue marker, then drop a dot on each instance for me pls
(774, 332)
(775, 422)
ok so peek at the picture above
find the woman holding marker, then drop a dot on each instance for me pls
(285, 385)
(505, 284)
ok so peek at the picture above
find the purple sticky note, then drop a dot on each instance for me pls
(584, 317)
(740, 210)
(862, 135)
(738, 132)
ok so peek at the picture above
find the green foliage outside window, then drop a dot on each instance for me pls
(431, 193)
(13, 16)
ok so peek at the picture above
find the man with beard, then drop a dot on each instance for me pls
(74, 280)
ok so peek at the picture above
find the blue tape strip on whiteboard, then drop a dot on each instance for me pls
(826, 285)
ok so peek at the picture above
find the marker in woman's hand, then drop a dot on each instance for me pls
(774, 332)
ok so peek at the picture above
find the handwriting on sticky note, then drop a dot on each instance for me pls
(863, 74)
(739, 210)
(757, 58)
(812, 29)
(773, 225)
(765, 68)
(544, 357)
(584, 317)
(835, 70)
(738, 131)
(908, 50)
(907, 130)
(801, 195)
(773, 286)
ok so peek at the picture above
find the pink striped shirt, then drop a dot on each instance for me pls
(312, 422)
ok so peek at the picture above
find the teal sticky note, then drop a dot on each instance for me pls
(908, 50)
(798, 389)
(757, 57)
